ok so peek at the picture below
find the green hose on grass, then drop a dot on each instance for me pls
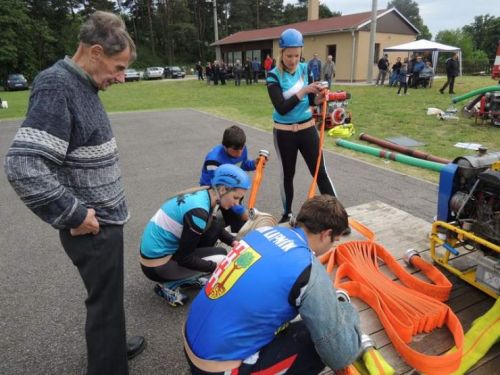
(470, 94)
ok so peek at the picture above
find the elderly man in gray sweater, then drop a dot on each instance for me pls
(329, 70)
(63, 163)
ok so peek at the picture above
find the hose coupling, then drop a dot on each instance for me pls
(366, 342)
(264, 153)
(409, 254)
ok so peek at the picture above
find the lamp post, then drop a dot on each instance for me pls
(216, 29)
(373, 33)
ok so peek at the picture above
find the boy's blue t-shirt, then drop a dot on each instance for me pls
(218, 156)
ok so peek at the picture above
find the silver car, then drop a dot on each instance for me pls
(131, 75)
(153, 73)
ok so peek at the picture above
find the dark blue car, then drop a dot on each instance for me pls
(15, 82)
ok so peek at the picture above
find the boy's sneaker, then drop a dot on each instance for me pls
(174, 297)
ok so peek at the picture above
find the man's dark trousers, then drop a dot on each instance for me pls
(450, 81)
(99, 259)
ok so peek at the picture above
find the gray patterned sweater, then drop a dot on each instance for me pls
(64, 158)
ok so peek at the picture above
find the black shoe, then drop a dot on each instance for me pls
(285, 218)
(453, 93)
(441, 91)
(135, 346)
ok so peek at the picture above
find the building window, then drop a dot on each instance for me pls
(376, 55)
(332, 50)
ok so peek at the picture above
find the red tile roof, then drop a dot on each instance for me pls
(339, 23)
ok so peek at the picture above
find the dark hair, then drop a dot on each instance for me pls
(323, 212)
(109, 31)
(234, 137)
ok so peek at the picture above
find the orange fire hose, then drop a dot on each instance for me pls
(312, 188)
(404, 310)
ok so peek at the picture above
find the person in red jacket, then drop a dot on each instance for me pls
(268, 64)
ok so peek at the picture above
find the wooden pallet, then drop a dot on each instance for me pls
(398, 231)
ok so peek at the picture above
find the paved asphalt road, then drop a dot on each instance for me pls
(41, 295)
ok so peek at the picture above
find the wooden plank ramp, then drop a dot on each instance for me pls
(399, 231)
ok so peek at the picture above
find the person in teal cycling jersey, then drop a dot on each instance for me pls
(244, 320)
(292, 92)
(177, 245)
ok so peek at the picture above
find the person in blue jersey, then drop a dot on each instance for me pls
(292, 92)
(177, 245)
(241, 322)
(231, 151)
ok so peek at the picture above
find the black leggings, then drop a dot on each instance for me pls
(287, 145)
(172, 270)
(291, 352)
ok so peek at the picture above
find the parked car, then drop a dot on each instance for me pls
(131, 75)
(153, 73)
(174, 72)
(16, 82)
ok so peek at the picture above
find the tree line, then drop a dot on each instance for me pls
(36, 33)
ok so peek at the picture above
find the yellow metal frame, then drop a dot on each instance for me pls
(469, 275)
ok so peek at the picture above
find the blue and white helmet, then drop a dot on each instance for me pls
(291, 38)
(231, 176)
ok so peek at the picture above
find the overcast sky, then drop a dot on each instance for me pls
(437, 14)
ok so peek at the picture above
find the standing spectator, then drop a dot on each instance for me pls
(199, 69)
(394, 78)
(411, 62)
(256, 70)
(242, 322)
(452, 70)
(403, 79)
(237, 70)
(314, 66)
(208, 72)
(63, 164)
(292, 92)
(268, 64)
(223, 72)
(417, 68)
(216, 72)
(383, 66)
(329, 70)
(248, 71)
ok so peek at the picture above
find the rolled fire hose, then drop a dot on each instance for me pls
(257, 219)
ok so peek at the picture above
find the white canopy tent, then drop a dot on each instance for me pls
(424, 45)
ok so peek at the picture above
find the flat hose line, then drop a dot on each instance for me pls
(404, 310)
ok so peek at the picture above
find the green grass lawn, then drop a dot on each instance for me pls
(376, 111)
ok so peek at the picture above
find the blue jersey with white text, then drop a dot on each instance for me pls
(257, 276)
